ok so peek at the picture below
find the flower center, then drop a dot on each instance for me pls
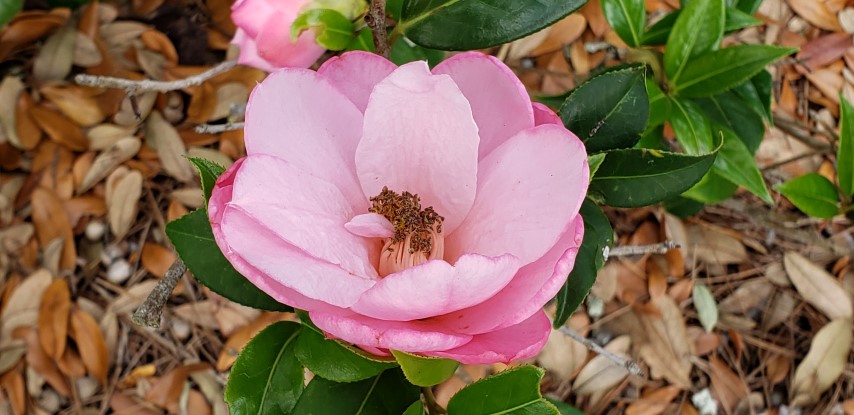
(417, 232)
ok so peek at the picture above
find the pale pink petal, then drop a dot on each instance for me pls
(286, 264)
(216, 208)
(370, 225)
(249, 52)
(435, 287)
(532, 287)
(304, 211)
(275, 45)
(529, 189)
(299, 117)
(545, 115)
(407, 336)
(499, 102)
(356, 73)
(518, 342)
(419, 136)
(252, 15)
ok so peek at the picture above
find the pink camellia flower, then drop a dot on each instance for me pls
(427, 212)
(264, 35)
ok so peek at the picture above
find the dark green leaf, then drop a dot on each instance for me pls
(698, 29)
(659, 105)
(404, 51)
(845, 153)
(514, 391)
(565, 408)
(683, 207)
(627, 17)
(691, 127)
(736, 164)
(590, 258)
(593, 161)
(8, 10)
(385, 394)
(757, 93)
(425, 371)
(720, 70)
(331, 360)
(748, 6)
(266, 378)
(641, 177)
(734, 20)
(208, 172)
(467, 25)
(553, 101)
(393, 8)
(713, 188)
(332, 30)
(609, 111)
(813, 194)
(417, 408)
(652, 138)
(731, 111)
(193, 238)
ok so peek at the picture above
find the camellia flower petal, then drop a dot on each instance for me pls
(263, 35)
(431, 212)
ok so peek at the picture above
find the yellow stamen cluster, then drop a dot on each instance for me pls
(409, 220)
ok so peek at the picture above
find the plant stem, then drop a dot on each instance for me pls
(148, 314)
(132, 86)
(628, 364)
(433, 407)
(629, 250)
(377, 22)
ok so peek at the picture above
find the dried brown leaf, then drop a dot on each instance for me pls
(817, 13)
(53, 318)
(727, 386)
(76, 103)
(562, 355)
(91, 344)
(10, 89)
(156, 258)
(13, 383)
(824, 362)
(104, 164)
(818, 287)
(39, 361)
(124, 188)
(668, 348)
(28, 131)
(654, 402)
(170, 148)
(601, 374)
(60, 129)
(51, 222)
(86, 52)
(54, 61)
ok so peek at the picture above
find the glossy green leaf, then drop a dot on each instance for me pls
(659, 105)
(565, 408)
(731, 111)
(393, 8)
(757, 93)
(364, 40)
(608, 111)
(734, 20)
(813, 194)
(385, 394)
(627, 17)
(736, 164)
(266, 378)
(593, 161)
(404, 51)
(683, 207)
(845, 153)
(717, 71)
(707, 308)
(652, 138)
(8, 10)
(748, 6)
(598, 235)
(698, 29)
(641, 177)
(467, 25)
(692, 128)
(193, 238)
(208, 173)
(332, 30)
(712, 188)
(417, 408)
(514, 391)
(553, 101)
(425, 371)
(332, 360)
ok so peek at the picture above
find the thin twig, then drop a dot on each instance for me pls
(218, 128)
(148, 314)
(629, 250)
(793, 159)
(799, 131)
(132, 86)
(630, 365)
(376, 21)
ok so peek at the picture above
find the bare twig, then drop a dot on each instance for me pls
(218, 128)
(629, 250)
(132, 86)
(800, 131)
(148, 314)
(630, 365)
(433, 407)
(376, 21)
